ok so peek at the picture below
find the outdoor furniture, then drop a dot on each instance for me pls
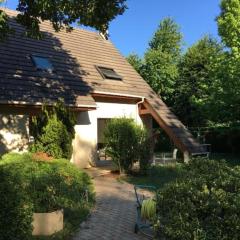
(165, 157)
(204, 151)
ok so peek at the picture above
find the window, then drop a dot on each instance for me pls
(109, 73)
(42, 63)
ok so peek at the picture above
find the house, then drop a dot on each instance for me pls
(92, 77)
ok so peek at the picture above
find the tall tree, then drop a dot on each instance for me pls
(159, 65)
(229, 24)
(167, 38)
(136, 62)
(62, 13)
(226, 97)
(196, 81)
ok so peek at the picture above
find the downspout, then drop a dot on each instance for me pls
(137, 105)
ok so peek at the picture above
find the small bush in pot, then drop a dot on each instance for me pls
(203, 204)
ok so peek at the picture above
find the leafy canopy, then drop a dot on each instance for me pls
(195, 82)
(229, 24)
(62, 14)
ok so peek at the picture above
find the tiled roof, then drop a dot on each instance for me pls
(74, 56)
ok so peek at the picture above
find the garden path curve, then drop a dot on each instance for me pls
(115, 213)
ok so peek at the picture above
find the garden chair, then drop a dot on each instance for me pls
(165, 157)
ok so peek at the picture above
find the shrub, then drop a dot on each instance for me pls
(144, 149)
(45, 185)
(53, 131)
(203, 204)
(122, 142)
(15, 208)
(54, 140)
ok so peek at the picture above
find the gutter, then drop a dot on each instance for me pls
(117, 94)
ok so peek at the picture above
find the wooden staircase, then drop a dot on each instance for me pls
(178, 133)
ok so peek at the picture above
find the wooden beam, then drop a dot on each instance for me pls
(33, 109)
(164, 126)
(143, 111)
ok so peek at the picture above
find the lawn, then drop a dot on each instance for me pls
(160, 175)
(157, 176)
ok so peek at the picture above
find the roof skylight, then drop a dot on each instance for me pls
(109, 73)
(42, 63)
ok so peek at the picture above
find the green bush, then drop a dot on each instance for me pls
(54, 140)
(53, 131)
(126, 143)
(203, 204)
(46, 186)
(144, 149)
(15, 208)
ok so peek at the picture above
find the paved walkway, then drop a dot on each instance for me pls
(115, 212)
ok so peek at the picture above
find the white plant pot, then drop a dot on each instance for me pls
(45, 224)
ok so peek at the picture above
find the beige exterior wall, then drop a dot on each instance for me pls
(14, 132)
(85, 142)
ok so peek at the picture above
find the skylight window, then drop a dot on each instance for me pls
(109, 73)
(42, 63)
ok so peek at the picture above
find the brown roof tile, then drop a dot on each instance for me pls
(74, 57)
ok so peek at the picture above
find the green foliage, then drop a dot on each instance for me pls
(62, 14)
(167, 38)
(159, 65)
(53, 131)
(160, 71)
(225, 96)
(196, 82)
(122, 142)
(229, 24)
(224, 139)
(28, 185)
(202, 204)
(135, 61)
(15, 208)
(54, 140)
(127, 143)
(4, 28)
(144, 149)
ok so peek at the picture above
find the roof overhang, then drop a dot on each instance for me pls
(118, 97)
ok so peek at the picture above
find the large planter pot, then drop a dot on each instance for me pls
(45, 224)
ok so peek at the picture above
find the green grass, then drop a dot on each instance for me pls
(157, 176)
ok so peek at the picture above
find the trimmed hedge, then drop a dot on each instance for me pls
(39, 186)
(15, 209)
(203, 204)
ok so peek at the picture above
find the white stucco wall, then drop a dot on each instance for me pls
(14, 132)
(84, 144)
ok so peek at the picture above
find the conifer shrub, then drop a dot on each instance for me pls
(53, 131)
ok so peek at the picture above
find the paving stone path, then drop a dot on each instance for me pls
(114, 215)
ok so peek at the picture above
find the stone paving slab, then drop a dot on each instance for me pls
(114, 215)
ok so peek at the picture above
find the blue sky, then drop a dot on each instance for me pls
(132, 31)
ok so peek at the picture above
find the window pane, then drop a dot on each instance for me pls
(109, 73)
(42, 63)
